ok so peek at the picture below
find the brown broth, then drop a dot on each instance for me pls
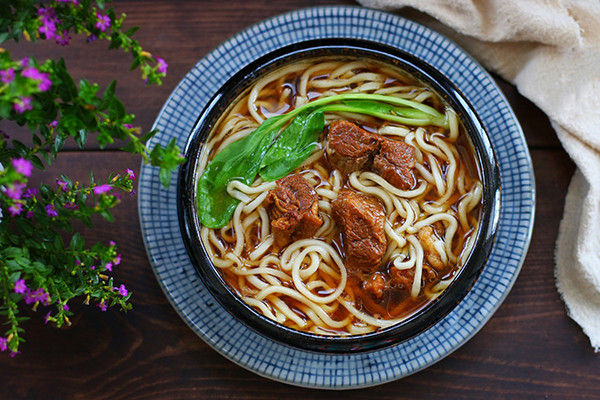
(397, 302)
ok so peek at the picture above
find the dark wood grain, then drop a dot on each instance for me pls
(530, 349)
(183, 32)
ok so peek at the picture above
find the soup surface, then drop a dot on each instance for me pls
(376, 220)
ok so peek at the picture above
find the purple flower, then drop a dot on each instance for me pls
(117, 260)
(3, 344)
(15, 190)
(14, 353)
(123, 291)
(130, 173)
(65, 307)
(51, 210)
(24, 62)
(102, 189)
(92, 38)
(53, 124)
(49, 22)
(22, 166)
(32, 73)
(103, 22)
(20, 286)
(162, 65)
(30, 192)
(111, 243)
(7, 76)
(77, 262)
(29, 214)
(102, 305)
(92, 267)
(108, 266)
(29, 297)
(23, 105)
(128, 126)
(63, 39)
(15, 209)
(43, 78)
(63, 185)
(47, 318)
(48, 28)
(39, 295)
(132, 193)
(46, 12)
(71, 206)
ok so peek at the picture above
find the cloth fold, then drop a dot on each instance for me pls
(550, 50)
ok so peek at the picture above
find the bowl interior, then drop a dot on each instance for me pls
(413, 324)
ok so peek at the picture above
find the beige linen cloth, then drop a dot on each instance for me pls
(551, 51)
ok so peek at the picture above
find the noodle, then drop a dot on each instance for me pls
(305, 285)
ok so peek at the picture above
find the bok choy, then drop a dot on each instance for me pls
(281, 143)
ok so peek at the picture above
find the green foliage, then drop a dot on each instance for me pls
(44, 261)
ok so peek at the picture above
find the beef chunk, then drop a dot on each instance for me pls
(349, 147)
(376, 285)
(361, 219)
(395, 162)
(402, 278)
(426, 238)
(293, 207)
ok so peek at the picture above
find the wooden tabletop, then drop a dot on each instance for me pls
(529, 349)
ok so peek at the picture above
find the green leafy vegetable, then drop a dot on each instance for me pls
(274, 156)
(240, 160)
(295, 143)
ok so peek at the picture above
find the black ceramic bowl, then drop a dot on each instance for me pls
(432, 312)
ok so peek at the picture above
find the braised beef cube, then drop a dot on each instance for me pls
(361, 218)
(293, 207)
(395, 162)
(402, 278)
(349, 147)
(375, 285)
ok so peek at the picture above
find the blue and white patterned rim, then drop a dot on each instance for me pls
(177, 276)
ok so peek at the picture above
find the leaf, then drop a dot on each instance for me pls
(66, 87)
(116, 109)
(20, 148)
(81, 138)
(165, 176)
(15, 276)
(135, 63)
(59, 142)
(240, 160)
(129, 32)
(37, 162)
(58, 243)
(77, 242)
(107, 215)
(13, 252)
(109, 93)
(295, 143)
(5, 107)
